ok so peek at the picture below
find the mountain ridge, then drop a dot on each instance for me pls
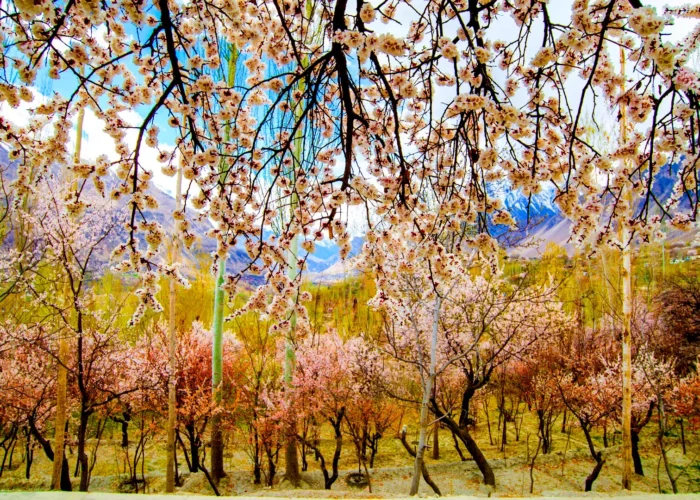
(537, 220)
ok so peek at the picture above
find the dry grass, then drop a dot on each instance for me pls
(555, 474)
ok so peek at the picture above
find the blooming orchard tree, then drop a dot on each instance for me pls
(440, 317)
(28, 384)
(324, 389)
(403, 113)
(195, 408)
(371, 414)
(54, 276)
(654, 373)
(537, 378)
(685, 400)
(259, 393)
(590, 387)
(510, 107)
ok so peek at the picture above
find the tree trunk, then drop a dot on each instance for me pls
(605, 436)
(532, 464)
(365, 439)
(124, 424)
(427, 394)
(304, 451)
(177, 471)
(488, 420)
(464, 419)
(664, 455)
(504, 435)
(418, 462)
(82, 456)
(65, 475)
(61, 417)
(459, 450)
(374, 447)
(594, 473)
(257, 459)
(563, 422)
(64, 482)
(194, 446)
(57, 480)
(682, 435)
(597, 456)
(545, 431)
(479, 458)
(436, 442)
(7, 450)
(424, 469)
(257, 473)
(217, 438)
(184, 449)
(291, 456)
(519, 426)
(172, 350)
(292, 473)
(338, 447)
(336, 423)
(209, 479)
(12, 448)
(627, 326)
(635, 454)
(29, 452)
(194, 456)
(466, 438)
(291, 460)
(271, 467)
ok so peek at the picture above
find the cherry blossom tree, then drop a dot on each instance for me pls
(685, 400)
(590, 387)
(340, 97)
(371, 412)
(537, 378)
(194, 404)
(69, 238)
(28, 392)
(324, 388)
(408, 125)
(259, 391)
(484, 323)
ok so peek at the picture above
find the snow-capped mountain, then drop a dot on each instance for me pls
(541, 205)
(538, 221)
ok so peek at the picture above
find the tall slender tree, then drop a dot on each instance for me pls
(217, 442)
(172, 347)
(625, 241)
(292, 472)
(62, 381)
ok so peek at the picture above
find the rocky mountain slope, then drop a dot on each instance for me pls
(538, 224)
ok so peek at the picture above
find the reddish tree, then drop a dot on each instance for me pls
(192, 382)
(323, 388)
(28, 385)
(537, 377)
(590, 387)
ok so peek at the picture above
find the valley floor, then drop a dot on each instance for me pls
(555, 475)
(560, 473)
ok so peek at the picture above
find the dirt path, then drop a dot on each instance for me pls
(50, 495)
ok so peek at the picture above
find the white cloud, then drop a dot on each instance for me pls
(96, 141)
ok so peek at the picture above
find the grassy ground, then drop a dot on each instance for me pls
(560, 473)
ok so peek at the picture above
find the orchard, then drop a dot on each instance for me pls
(403, 247)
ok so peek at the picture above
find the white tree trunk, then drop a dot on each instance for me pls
(427, 391)
(172, 349)
(627, 316)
